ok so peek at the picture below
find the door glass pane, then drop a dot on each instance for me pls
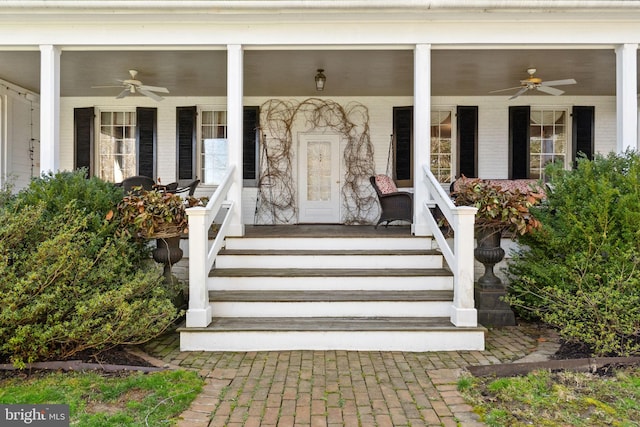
(319, 171)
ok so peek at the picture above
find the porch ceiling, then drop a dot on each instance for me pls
(458, 72)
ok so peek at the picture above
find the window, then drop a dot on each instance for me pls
(548, 140)
(123, 144)
(202, 145)
(443, 143)
(117, 145)
(213, 149)
(441, 147)
(539, 136)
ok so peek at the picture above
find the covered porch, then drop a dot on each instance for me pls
(414, 90)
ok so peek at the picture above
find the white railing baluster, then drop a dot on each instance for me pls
(201, 256)
(459, 257)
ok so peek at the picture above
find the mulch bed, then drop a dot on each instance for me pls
(116, 361)
(574, 356)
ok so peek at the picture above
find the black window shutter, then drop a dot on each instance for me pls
(186, 141)
(468, 141)
(519, 122)
(83, 122)
(403, 147)
(146, 138)
(250, 143)
(583, 131)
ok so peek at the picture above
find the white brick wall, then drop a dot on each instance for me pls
(492, 130)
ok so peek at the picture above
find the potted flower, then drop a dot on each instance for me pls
(157, 215)
(500, 211)
(153, 214)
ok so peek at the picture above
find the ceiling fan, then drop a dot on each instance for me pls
(132, 86)
(536, 83)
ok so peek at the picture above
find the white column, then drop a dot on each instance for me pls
(234, 133)
(627, 97)
(199, 314)
(421, 135)
(463, 312)
(49, 108)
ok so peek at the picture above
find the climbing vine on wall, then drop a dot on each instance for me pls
(276, 202)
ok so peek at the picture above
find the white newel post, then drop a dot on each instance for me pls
(421, 136)
(199, 311)
(234, 133)
(463, 312)
(49, 108)
(627, 96)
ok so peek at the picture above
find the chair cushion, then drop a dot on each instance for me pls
(385, 184)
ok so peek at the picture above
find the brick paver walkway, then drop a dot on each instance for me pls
(337, 388)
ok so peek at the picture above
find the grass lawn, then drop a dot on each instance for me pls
(129, 399)
(557, 399)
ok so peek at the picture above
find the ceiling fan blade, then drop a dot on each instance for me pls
(559, 82)
(154, 88)
(504, 90)
(550, 90)
(105, 86)
(520, 92)
(150, 94)
(125, 92)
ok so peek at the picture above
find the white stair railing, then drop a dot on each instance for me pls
(202, 254)
(459, 256)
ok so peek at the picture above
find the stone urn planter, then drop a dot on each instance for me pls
(489, 253)
(167, 252)
(489, 289)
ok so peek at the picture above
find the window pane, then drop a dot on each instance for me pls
(117, 146)
(213, 146)
(548, 141)
(214, 160)
(220, 118)
(441, 155)
(207, 117)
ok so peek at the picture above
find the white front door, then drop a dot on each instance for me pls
(319, 178)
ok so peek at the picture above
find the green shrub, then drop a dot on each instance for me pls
(69, 282)
(581, 271)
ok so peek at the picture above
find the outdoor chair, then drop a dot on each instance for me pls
(395, 205)
(128, 184)
(190, 188)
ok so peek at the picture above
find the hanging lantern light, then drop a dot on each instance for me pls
(321, 79)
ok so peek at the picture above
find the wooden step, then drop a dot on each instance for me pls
(326, 279)
(329, 243)
(324, 259)
(328, 272)
(332, 333)
(330, 303)
(329, 296)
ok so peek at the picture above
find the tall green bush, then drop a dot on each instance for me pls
(70, 282)
(581, 271)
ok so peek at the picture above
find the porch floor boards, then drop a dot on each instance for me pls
(222, 324)
(329, 296)
(328, 272)
(326, 230)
